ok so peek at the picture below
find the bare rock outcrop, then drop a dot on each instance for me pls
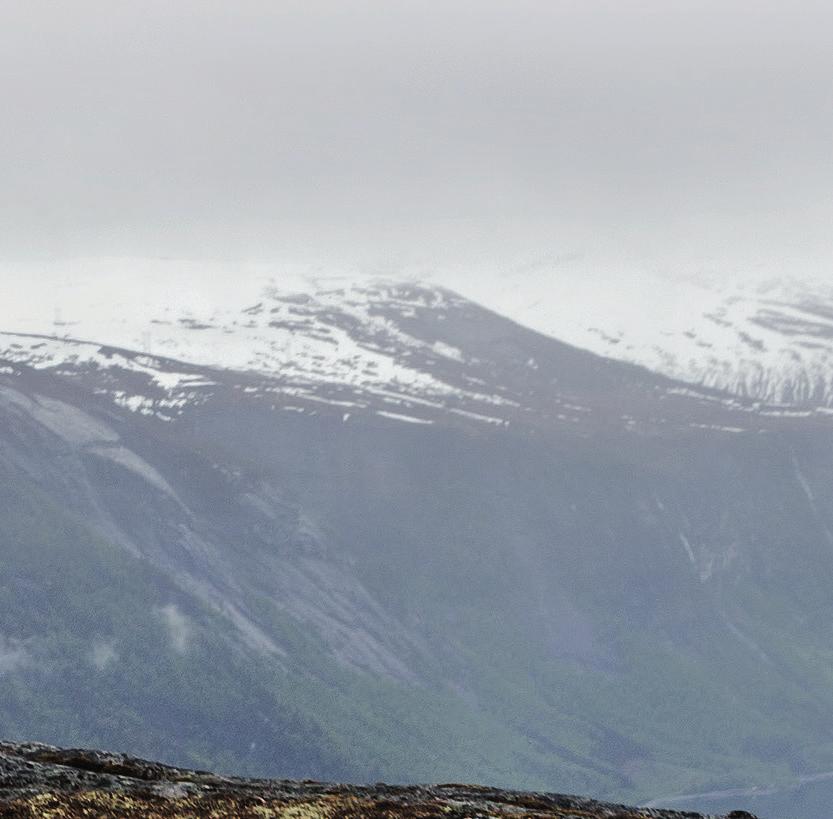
(43, 781)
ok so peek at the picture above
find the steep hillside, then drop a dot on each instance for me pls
(526, 565)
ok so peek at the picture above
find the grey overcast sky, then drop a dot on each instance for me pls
(400, 132)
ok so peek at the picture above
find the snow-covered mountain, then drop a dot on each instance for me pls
(155, 338)
(296, 337)
(771, 340)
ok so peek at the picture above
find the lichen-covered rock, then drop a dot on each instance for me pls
(52, 783)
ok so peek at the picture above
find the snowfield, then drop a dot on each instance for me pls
(771, 341)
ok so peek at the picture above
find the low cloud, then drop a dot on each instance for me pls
(178, 625)
(103, 654)
(13, 655)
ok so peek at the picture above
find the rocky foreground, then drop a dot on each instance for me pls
(42, 781)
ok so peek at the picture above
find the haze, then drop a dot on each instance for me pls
(475, 137)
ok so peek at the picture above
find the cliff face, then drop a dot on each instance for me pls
(44, 781)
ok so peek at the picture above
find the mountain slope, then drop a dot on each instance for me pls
(526, 565)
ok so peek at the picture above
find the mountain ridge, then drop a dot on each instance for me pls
(769, 340)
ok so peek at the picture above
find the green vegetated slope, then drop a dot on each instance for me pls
(101, 649)
(566, 592)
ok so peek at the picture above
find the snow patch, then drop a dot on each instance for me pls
(395, 416)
